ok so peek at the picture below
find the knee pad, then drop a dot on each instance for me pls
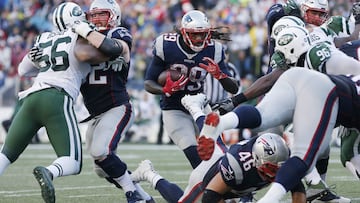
(211, 196)
(100, 172)
(112, 166)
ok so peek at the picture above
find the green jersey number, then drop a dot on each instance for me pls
(317, 57)
(57, 60)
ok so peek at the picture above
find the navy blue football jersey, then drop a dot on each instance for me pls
(168, 54)
(351, 49)
(238, 170)
(105, 88)
(348, 90)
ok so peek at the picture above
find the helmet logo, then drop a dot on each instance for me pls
(188, 19)
(267, 147)
(278, 29)
(285, 39)
(76, 11)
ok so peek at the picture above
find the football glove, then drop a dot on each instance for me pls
(278, 61)
(355, 10)
(213, 68)
(223, 106)
(82, 28)
(172, 86)
(35, 55)
(291, 8)
(205, 147)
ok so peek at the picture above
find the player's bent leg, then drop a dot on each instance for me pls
(146, 172)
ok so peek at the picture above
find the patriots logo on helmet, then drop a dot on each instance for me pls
(228, 172)
(188, 19)
(267, 147)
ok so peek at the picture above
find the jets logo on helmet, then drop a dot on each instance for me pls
(285, 39)
(66, 14)
(283, 22)
(293, 42)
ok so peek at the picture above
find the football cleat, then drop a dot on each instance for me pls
(133, 197)
(44, 178)
(195, 104)
(320, 193)
(145, 172)
(206, 143)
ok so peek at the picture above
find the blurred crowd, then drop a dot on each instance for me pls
(22, 20)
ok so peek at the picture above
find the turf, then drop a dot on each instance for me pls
(17, 184)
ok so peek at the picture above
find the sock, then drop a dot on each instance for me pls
(200, 122)
(125, 182)
(313, 177)
(4, 163)
(144, 195)
(169, 191)
(193, 156)
(274, 194)
(228, 121)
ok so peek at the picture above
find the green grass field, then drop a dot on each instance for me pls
(17, 184)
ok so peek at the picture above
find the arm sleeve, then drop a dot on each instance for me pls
(27, 68)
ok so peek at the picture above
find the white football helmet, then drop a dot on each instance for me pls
(66, 14)
(315, 11)
(284, 22)
(195, 30)
(104, 14)
(293, 42)
(269, 152)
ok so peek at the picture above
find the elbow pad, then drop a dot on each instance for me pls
(111, 48)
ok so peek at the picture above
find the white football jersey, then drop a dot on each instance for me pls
(321, 34)
(58, 66)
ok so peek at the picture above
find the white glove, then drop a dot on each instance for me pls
(82, 28)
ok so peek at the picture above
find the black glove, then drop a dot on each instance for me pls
(224, 106)
(35, 54)
(355, 10)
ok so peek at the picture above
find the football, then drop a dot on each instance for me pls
(175, 75)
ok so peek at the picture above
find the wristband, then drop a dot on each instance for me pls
(238, 99)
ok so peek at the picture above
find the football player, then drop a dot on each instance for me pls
(322, 102)
(60, 61)
(108, 102)
(193, 51)
(245, 167)
(328, 36)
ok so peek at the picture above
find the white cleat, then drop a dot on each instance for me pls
(195, 104)
(145, 172)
